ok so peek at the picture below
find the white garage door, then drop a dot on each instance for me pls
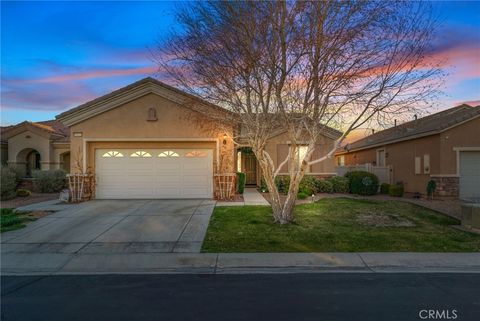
(154, 173)
(469, 175)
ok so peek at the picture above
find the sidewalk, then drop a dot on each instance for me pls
(250, 197)
(236, 263)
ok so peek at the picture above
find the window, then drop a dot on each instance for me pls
(300, 154)
(112, 153)
(426, 164)
(418, 165)
(341, 160)
(196, 153)
(168, 153)
(140, 153)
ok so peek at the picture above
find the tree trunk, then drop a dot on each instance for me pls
(282, 209)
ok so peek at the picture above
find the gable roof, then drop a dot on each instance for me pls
(141, 88)
(126, 94)
(52, 129)
(426, 126)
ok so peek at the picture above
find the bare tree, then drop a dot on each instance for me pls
(300, 67)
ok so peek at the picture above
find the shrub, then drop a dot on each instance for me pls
(282, 183)
(384, 188)
(23, 192)
(263, 185)
(340, 184)
(324, 186)
(395, 190)
(308, 185)
(50, 181)
(302, 196)
(431, 187)
(357, 181)
(241, 178)
(8, 182)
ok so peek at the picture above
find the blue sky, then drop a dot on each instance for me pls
(57, 55)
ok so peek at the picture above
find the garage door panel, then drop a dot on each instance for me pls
(173, 175)
(469, 168)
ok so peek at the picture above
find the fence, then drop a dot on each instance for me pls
(384, 173)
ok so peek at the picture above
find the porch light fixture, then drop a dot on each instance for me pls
(224, 139)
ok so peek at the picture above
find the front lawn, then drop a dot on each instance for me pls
(10, 220)
(338, 225)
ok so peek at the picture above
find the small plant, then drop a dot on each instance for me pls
(23, 192)
(302, 196)
(384, 188)
(340, 184)
(50, 181)
(362, 182)
(431, 187)
(396, 190)
(8, 182)
(241, 178)
(324, 186)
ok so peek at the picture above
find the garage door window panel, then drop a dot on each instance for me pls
(141, 154)
(112, 153)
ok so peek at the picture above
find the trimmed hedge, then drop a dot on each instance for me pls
(324, 186)
(282, 183)
(50, 181)
(357, 179)
(308, 185)
(23, 192)
(241, 179)
(340, 184)
(384, 188)
(396, 190)
(302, 196)
(8, 182)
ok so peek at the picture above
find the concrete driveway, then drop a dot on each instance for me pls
(115, 227)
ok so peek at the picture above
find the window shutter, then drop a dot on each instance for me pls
(426, 164)
(418, 161)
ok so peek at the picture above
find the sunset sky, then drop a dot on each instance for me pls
(57, 55)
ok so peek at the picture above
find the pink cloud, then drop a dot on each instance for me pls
(101, 73)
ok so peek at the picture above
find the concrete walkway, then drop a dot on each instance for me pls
(54, 263)
(250, 197)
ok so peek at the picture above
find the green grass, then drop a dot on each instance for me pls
(10, 220)
(332, 225)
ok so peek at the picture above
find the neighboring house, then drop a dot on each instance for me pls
(41, 145)
(444, 147)
(149, 140)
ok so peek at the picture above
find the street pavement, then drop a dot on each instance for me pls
(327, 296)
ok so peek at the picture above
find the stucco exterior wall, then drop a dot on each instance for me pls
(465, 135)
(439, 147)
(401, 157)
(29, 140)
(127, 126)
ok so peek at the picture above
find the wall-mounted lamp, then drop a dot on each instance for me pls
(224, 139)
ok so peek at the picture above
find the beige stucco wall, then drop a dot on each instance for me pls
(127, 125)
(29, 140)
(465, 135)
(440, 147)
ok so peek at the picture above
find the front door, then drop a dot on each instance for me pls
(250, 169)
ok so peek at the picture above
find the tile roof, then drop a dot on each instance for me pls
(57, 129)
(425, 126)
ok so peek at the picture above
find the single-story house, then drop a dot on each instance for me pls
(444, 147)
(146, 140)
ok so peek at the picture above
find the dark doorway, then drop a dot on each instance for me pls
(250, 168)
(33, 162)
